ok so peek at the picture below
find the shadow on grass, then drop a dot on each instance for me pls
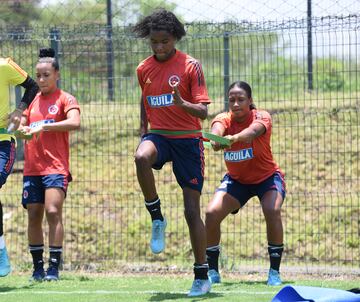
(171, 296)
(5, 289)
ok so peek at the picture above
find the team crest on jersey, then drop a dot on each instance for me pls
(258, 116)
(163, 100)
(239, 155)
(53, 109)
(174, 80)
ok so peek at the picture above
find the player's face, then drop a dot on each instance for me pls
(46, 77)
(239, 103)
(162, 44)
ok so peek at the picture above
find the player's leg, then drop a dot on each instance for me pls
(146, 158)
(188, 167)
(33, 201)
(36, 239)
(54, 200)
(219, 207)
(271, 202)
(7, 158)
(201, 284)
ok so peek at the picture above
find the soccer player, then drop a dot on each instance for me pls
(251, 171)
(175, 99)
(10, 75)
(49, 118)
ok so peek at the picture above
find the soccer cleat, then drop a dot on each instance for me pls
(5, 267)
(52, 274)
(199, 287)
(157, 243)
(214, 276)
(274, 278)
(38, 275)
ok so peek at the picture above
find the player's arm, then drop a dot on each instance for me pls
(143, 118)
(248, 134)
(72, 122)
(199, 110)
(218, 129)
(31, 89)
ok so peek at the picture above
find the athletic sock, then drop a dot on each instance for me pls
(153, 206)
(212, 256)
(36, 251)
(55, 256)
(275, 253)
(201, 270)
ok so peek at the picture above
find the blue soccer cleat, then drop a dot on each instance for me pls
(38, 275)
(157, 243)
(199, 288)
(52, 274)
(274, 278)
(214, 276)
(5, 267)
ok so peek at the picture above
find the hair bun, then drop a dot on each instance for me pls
(46, 53)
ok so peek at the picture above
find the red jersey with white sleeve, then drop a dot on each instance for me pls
(249, 162)
(154, 77)
(49, 153)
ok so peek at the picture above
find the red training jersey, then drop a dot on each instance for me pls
(49, 153)
(153, 77)
(250, 162)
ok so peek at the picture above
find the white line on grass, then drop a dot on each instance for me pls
(125, 292)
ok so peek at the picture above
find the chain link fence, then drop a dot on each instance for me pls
(315, 140)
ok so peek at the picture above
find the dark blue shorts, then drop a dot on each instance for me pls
(187, 156)
(243, 192)
(7, 159)
(34, 187)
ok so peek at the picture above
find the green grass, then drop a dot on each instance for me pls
(81, 287)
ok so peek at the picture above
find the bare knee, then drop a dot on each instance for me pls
(142, 159)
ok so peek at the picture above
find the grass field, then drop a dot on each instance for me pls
(81, 287)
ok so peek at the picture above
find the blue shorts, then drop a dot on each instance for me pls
(34, 187)
(7, 159)
(187, 156)
(243, 192)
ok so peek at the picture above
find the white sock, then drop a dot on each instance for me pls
(2, 242)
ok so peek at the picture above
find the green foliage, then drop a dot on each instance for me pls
(18, 14)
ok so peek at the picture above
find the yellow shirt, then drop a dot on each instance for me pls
(10, 74)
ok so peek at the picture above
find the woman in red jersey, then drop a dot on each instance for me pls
(174, 100)
(50, 117)
(251, 172)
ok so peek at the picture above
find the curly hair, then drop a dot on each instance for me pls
(159, 20)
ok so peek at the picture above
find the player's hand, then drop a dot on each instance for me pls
(231, 138)
(36, 130)
(14, 120)
(217, 146)
(178, 101)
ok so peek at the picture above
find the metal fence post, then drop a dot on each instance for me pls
(109, 52)
(309, 47)
(226, 69)
(55, 44)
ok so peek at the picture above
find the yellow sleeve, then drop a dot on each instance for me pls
(14, 73)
